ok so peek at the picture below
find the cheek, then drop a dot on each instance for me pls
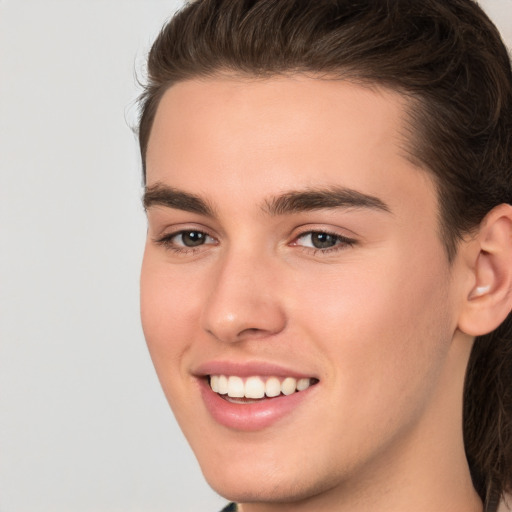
(384, 328)
(167, 304)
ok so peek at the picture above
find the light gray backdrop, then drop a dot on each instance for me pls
(84, 425)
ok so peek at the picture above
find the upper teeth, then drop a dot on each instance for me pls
(256, 387)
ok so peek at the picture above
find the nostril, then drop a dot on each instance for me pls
(252, 332)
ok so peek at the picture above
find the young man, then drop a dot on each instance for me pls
(327, 282)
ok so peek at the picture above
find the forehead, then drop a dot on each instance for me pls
(266, 136)
(266, 112)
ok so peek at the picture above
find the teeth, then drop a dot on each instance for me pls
(256, 387)
(303, 384)
(289, 386)
(272, 387)
(236, 388)
(223, 385)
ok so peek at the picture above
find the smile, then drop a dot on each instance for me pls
(252, 402)
(256, 387)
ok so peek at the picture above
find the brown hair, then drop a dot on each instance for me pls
(447, 57)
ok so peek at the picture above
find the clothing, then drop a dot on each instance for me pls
(504, 506)
(231, 507)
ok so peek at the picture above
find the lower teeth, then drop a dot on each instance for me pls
(243, 400)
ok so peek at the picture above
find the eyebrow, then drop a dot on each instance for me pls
(163, 195)
(320, 199)
(290, 202)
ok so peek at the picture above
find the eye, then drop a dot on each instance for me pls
(322, 240)
(191, 238)
(185, 240)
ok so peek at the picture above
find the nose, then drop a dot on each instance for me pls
(244, 300)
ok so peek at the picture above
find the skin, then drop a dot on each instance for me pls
(375, 320)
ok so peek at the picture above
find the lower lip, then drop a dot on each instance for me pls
(254, 415)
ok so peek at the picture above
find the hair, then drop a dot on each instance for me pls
(448, 59)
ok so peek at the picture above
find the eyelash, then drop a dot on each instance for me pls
(167, 241)
(341, 242)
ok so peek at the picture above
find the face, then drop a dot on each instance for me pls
(293, 262)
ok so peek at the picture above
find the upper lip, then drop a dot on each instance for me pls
(248, 369)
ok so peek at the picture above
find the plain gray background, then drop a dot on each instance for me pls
(84, 425)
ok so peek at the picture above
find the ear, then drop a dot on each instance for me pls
(488, 294)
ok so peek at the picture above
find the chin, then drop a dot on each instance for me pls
(270, 484)
(261, 490)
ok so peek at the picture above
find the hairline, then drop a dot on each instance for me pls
(410, 134)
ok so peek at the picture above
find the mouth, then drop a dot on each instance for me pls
(239, 390)
(254, 397)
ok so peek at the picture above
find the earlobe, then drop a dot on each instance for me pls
(489, 301)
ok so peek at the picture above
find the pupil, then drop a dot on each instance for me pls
(192, 238)
(323, 240)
